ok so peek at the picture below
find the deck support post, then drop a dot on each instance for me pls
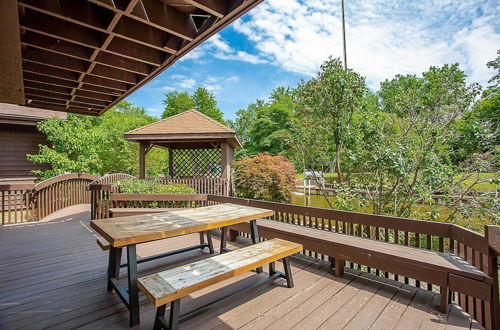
(339, 267)
(232, 235)
(445, 297)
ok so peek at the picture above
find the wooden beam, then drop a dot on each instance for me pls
(114, 74)
(158, 15)
(214, 7)
(58, 46)
(41, 69)
(46, 87)
(11, 78)
(34, 77)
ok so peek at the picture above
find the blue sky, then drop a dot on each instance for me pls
(282, 41)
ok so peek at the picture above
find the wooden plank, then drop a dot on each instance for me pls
(11, 79)
(143, 228)
(429, 266)
(176, 283)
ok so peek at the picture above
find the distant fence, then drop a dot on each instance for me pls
(32, 202)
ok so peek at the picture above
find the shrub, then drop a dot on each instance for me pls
(152, 187)
(264, 177)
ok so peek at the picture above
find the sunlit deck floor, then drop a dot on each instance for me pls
(53, 276)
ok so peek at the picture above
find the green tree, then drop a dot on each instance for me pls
(266, 126)
(202, 100)
(206, 103)
(95, 145)
(176, 102)
(326, 105)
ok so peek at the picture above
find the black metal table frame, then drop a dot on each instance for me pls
(130, 297)
(176, 318)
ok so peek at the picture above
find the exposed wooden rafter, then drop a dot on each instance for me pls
(84, 56)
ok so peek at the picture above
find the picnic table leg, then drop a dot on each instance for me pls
(133, 293)
(210, 242)
(115, 256)
(255, 238)
(223, 240)
(288, 272)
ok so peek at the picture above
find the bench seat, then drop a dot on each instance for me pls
(438, 268)
(173, 284)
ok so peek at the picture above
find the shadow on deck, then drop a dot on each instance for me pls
(54, 276)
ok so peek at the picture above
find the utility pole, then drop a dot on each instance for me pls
(343, 35)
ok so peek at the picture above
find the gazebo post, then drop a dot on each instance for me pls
(226, 160)
(142, 160)
(170, 163)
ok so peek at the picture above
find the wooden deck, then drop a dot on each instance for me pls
(53, 275)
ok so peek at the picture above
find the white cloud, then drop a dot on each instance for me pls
(153, 110)
(233, 78)
(219, 48)
(187, 83)
(383, 37)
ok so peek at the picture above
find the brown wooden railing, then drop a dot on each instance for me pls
(32, 202)
(478, 250)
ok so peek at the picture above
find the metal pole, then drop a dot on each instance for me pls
(343, 35)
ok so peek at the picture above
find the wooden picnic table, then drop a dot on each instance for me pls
(132, 230)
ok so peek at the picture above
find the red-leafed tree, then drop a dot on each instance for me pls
(264, 177)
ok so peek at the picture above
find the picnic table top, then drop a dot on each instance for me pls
(143, 228)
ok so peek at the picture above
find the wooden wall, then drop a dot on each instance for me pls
(15, 142)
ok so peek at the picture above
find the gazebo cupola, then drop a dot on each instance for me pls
(198, 146)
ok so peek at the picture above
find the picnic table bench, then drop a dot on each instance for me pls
(171, 285)
(127, 232)
(445, 270)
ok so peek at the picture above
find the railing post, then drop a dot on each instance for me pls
(492, 234)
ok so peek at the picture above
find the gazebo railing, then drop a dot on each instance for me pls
(103, 190)
(214, 186)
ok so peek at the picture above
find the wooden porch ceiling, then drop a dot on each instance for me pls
(84, 56)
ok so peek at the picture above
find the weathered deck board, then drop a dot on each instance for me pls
(53, 276)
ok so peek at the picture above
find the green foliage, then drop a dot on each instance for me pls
(84, 144)
(266, 126)
(202, 100)
(130, 186)
(264, 177)
(326, 107)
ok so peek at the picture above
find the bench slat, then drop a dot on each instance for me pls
(357, 249)
(178, 282)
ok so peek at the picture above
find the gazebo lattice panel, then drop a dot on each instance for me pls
(196, 163)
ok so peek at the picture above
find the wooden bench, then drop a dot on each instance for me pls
(171, 285)
(445, 270)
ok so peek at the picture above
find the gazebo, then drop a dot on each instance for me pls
(199, 147)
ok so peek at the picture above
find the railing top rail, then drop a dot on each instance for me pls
(63, 177)
(111, 176)
(158, 197)
(455, 232)
(16, 186)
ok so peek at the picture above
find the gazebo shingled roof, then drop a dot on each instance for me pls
(184, 135)
(188, 128)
